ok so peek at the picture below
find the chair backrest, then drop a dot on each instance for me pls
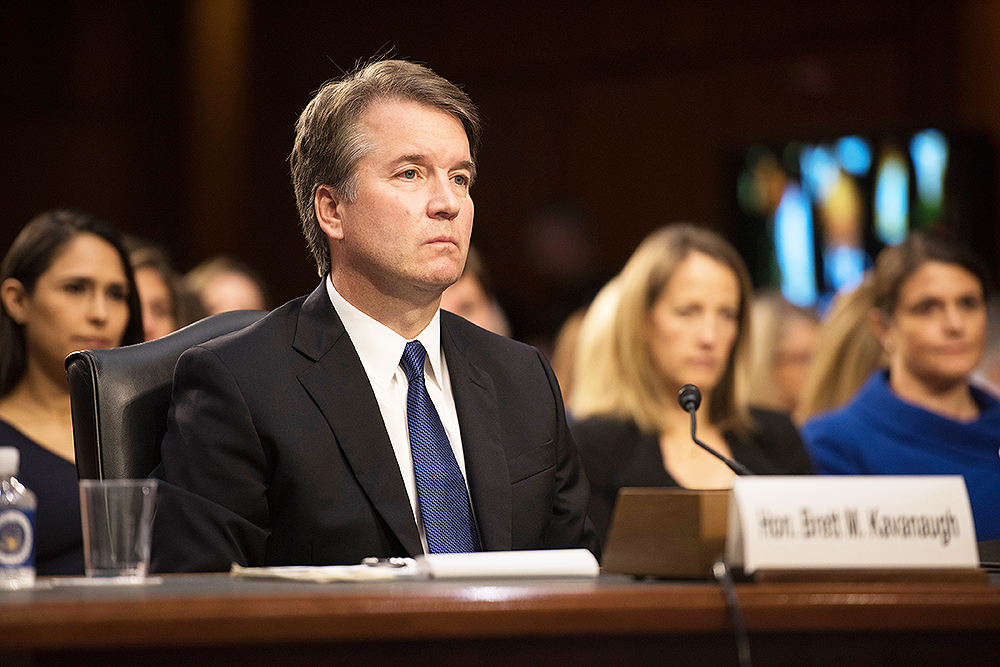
(120, 397)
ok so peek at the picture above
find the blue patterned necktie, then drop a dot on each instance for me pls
(444, 503)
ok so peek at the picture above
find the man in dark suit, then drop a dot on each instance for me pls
(319, 435)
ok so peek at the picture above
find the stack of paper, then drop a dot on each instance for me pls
(486, 564)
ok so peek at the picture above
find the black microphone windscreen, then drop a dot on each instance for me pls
(689, 397)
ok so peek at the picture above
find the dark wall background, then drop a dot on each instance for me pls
(603, 120)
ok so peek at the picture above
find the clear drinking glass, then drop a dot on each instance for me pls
(117, 516)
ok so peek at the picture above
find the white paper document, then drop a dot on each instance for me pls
(541, 563)
(573, 563)
(326, 573)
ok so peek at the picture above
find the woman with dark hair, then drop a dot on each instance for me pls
(65, 285)
(919, 414)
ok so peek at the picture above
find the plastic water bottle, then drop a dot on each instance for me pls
(17, 525)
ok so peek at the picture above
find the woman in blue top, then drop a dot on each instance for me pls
(920, 414)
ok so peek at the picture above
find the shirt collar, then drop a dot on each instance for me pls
(379, 347)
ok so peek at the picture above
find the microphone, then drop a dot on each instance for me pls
(689, 398)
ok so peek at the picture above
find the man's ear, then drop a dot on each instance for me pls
(329, 211)
(13, 295)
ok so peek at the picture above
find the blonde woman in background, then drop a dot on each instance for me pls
(564, 351)
(847, 353)
(224, 283)
(783, 340)
(678, 313)
(591, 365)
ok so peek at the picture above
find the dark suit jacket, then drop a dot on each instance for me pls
(276, 452)
(616, 453)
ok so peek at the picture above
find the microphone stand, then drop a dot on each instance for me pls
(735, 466)
(689, 399)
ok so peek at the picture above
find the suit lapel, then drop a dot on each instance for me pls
(485, 458)
(337, 382)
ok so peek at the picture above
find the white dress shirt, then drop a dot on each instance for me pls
(380, 349)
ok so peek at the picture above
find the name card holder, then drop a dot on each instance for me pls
(666, 532)
(853, 528)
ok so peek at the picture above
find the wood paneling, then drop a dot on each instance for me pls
(176, 123)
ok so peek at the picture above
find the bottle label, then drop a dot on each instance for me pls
(17, 543)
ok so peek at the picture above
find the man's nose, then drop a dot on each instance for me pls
(446, 199)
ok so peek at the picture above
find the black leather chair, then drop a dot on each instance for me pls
(120, 397)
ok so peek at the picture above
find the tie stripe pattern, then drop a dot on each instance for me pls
(444, 503)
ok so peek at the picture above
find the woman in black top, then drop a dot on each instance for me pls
(65, 285)
(677, 314)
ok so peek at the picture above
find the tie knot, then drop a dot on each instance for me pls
(413, 360)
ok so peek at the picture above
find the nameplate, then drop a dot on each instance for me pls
(850, 522)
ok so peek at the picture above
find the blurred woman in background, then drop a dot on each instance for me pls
(846, 354)
(167, 305)
(225, 283)
(474, 298)
(65, 285)
(783, 340)
(679, 314)
(920, 414)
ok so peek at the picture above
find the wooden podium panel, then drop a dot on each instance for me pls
(666, 532)
(214, 620)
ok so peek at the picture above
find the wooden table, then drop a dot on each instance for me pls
(193, 620)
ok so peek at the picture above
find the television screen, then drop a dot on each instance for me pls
(811, 214)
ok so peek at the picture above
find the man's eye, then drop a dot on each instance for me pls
(409, 174)
(462, 179)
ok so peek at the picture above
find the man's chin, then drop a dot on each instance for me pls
(435, 285)
(444, 275)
